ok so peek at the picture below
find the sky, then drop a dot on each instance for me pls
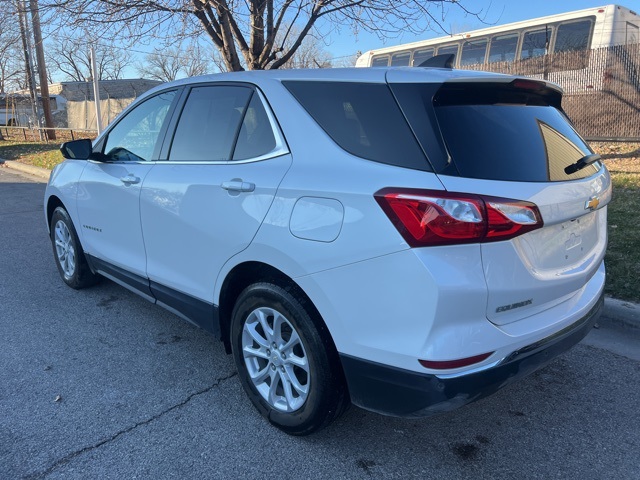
(343, 44)
(495, 12)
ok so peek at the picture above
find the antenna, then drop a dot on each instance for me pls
(439, 61)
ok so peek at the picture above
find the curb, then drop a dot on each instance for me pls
(24, 168)
(621, 313)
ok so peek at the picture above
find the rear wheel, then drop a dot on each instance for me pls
(286, 361)
(70, 260)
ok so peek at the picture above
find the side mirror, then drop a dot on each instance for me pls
(77, 149)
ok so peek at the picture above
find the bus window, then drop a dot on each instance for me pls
(400, 59)
(449, 49)
(534, 44)
(574, 36)
(380, 61)
(633, 34)
(473, 52)
(503, 48)
(420, 56)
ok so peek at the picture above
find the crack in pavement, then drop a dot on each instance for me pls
(67, 458)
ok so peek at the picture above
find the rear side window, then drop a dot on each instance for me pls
(363, 119)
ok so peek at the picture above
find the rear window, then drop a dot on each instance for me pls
(363, 119)
(499, 132)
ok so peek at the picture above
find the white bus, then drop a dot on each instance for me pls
(581, 30)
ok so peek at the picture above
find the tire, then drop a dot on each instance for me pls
(298, 385)
(67, 252)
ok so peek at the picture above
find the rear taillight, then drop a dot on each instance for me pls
(432, 217)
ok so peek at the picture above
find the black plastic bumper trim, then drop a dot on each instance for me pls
(398, 392)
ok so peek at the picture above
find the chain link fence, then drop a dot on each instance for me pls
(602, 88)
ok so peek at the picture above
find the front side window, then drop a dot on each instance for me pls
(209, 124)
(134, 138)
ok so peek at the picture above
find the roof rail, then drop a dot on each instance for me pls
(439, 61)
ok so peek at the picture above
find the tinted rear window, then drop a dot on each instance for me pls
(497, 132)
(363, 119)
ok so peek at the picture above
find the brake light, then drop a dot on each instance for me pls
(532, 85)
(429, 218)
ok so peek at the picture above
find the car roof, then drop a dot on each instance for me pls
(366, 75)
(370, 74)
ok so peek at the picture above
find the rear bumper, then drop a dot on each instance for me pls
(398, 392)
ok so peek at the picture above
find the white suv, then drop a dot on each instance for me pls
(407, 240)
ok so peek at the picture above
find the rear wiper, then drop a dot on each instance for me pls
(583, 162)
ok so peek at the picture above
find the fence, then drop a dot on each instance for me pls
(32, 134)
(602, 88)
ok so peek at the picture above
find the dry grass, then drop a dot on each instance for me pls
(623, 254)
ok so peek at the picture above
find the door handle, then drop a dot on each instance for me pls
(130, 179)
(238, 186)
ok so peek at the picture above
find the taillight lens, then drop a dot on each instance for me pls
(428, 217)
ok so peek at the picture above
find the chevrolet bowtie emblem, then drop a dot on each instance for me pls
(592, 203)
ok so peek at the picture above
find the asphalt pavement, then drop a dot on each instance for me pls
(100, 383)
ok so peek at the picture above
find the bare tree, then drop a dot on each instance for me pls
(174, 62)
(11, 68)
(257, 34)
(70, 57)
(310, 53)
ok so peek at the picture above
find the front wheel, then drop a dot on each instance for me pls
(286, 361)
(67, 251)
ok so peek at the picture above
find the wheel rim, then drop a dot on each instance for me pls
(276, 359)
(65, 251)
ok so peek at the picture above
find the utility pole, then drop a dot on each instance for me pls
(96, 89)
(31, 81)
(42, 70)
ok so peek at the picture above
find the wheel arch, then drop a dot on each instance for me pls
(52, 203)
(248, 273)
